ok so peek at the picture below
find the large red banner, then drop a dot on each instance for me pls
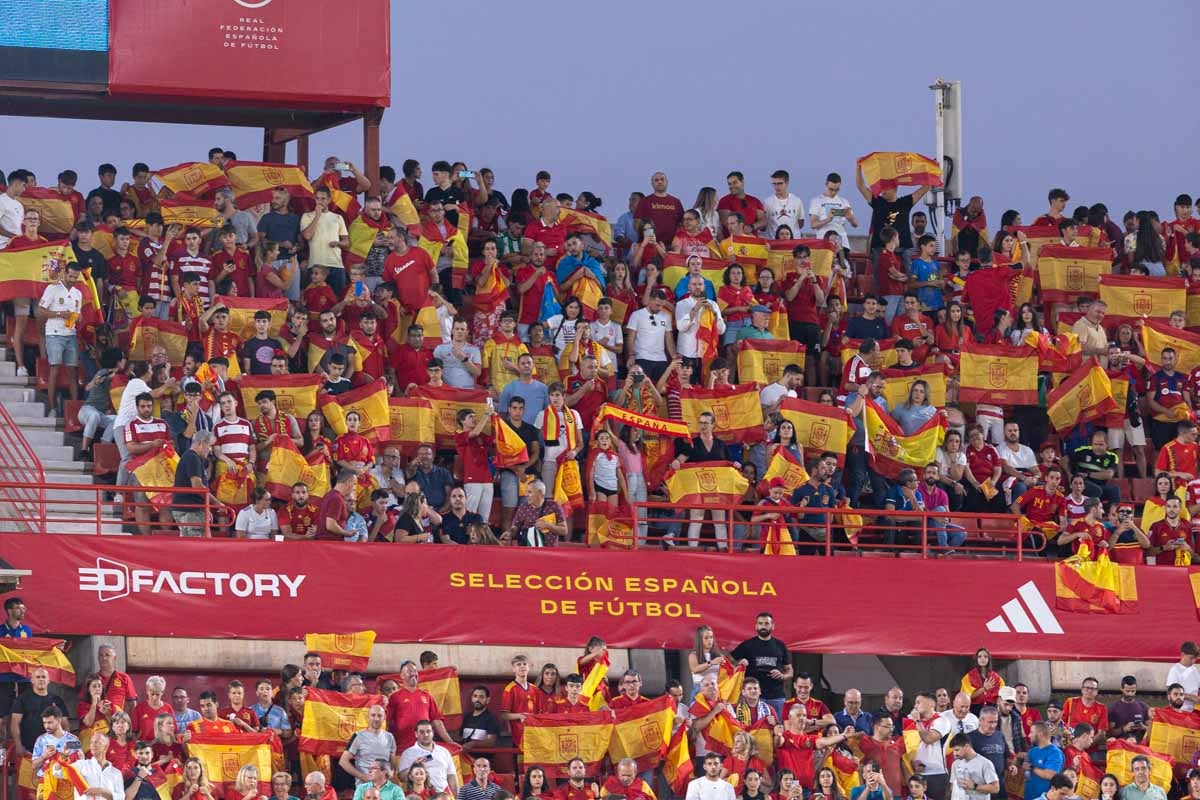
(440, 593)
(303, 53)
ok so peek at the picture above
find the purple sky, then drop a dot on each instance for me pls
(1098, 101)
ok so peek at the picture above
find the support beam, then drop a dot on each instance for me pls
(371, 121)
(302, 153)
(273, 149)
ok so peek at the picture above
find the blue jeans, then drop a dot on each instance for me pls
(950, 536)
(777, 704)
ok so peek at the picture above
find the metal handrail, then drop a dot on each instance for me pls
(24, 484)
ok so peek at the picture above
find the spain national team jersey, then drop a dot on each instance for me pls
(303, 520)
(518, 699)
(1041, 507)
(1096, 715)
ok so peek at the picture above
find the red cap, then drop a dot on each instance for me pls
(777, 483)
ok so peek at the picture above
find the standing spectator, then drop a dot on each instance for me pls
(102, 778)
(11, 684)
(1045, 761)
(480, 728)
(687, 321)
(369, 748)
(710, 786)
(12, 213)
(327, 236)
(461, 361)
(829, 211)
(973, 776)
(192, 473)
(749, 206)
(410, 708)
(59, 308)
(883, 750)
(25, 722)
(1187, 674)
(662, 210)
(1127, 715)
(767, 661)
(856, 460)
(782, 207)
(889, 210)
(989, 742)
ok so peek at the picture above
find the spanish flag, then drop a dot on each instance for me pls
(730, 680)
(442, 684)
(1175, 733)
(1141, 296)
(610, 527)
(586, 222)
(845, 771)
(912, 739)
(411, 423)
(677, 764)
(1194, 583)
(655, 425)
(156, 468)
(708, 483)
(887, 352)
(1087, 782)
(197, 178)
(708, 339)
(897, 382)
(594, 687)
(363, 231)
(102, 240)
(748, 250)
(819, 427)
(1159, 335)
(763, 733)
(494, 290)
(254, 181)
(287, 466)
(784, 464)
(26, 270)
(1120, 762)
(349, 651)
(1067, 272)
(891, 170)
(243, 309)
(432, 241)
(892, 450)
(1193, 307)
(642, 732)
(400, 205)
(1037, 237)
(188, 212)
(60, 779)
(224, 754)
(371, 403)
(510, 448)
(553, 740)
(1096, 587)
(27, 787)
(675, 267)
(166, 779)
(22, 656)
(331, 718)
(998, 374)
(589, 292)
(736, 409)
(57, 215)
(762, 360)
(718, 734)
(781, 262)
(147, 332)
(1060, 352)
(446, 401)
(294, 394)
(1085, 396)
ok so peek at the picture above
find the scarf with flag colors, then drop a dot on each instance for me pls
(223, 754)
(432, 240)
(551, 741)
(1085, 396)
(26, 270)
(898, 382)
(763, 360)
(999, 374)
(197, 178)
(294, 394)
(147, 332)
(892, 450)
(677, 764)
(675, 267)
(585, 222)
(1142, 296)
(1120, 763)
(254, 181)
(287, 466)
(708, 483)
(348, 651)
(22, 656)
(1098, 586)
(400, 205)
(718, 734)
(781, 261)
(442, 684)
(784, 464)
(1158, 335)
(1176, 734)
(561, 430)
(819, 427)
(1065, 272)
(593, 685)
(331, 718)
(646, 422)
(369, 400)
(57, 217)
(890, 170)
(610, 527)
(446, 401)
(642, 732)
(410, 423)
(886, 356)
(735, 409)
(510, 448)
(363, 231)
(243, 309)
(156, 468)
(341, 201)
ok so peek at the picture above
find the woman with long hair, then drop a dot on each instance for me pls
(754, 786)
(534, 785)
(1011, 248)
(706, 205)
(417, 782)
(245, 787)
(735, 299)
(951, 335)
(90, 710)
(1027, 322)
(982, 682)
(1154, 508)
(620, 289)
(318, 448)
(916, 410)
(827, 785)
(1001, 326)
(1110, 786)
(743, 756)
(705, 657)
(561, 328)
(785, 438)
(547, 685)
(410, 525)
(195, 785)
(122, 744)
(167, 747)
(491, 288)
(952, 465)
(649, 245)
(1148, 247)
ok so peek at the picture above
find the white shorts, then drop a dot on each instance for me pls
(1117, 437)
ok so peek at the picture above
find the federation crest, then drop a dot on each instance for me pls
(1143, 303)
(818, 434)
(192, 178)
(707, 480)
(396, 422)
(1075, 275)
(285, 403)
(568, 746)
(902, 163)
(772, 366)
(230, 764)
(272, 176)
(997, 375)
(347, 725)
(446, 418)
(344, 642)
(651, 734)
(721, 416)
(1085, 396)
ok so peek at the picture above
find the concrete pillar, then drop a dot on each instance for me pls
(1034, 674)
(652, 664)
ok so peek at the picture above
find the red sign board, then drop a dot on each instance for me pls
(302, 53)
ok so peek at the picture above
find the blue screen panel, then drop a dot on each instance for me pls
(57, 24)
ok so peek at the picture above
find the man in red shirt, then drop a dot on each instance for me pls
(410, 269)
(1058, 199)
(410, 359)
(631, 691)
(1075, 754)
(661, 210)
(1086, 708)
(1172, 536)
(586, 392)
(1044, 505)
(577, 786)
(118, 688)
(548, 230)
(892, 278)
(573, 702)
(298, 519)
(66, 187)
(232, 262)
(1090, 531)
(803, 295)
(626, 783)
(794, 748)
(518, 699)
(372, 350)
(914, 326)
(531, 279)
(218, 339)
(145, 433)
(237, 711)
(409, 705)
(1178, 457)
(333, 511)
(473, 446)
(749, 206)
(210, 719)
(817, 715)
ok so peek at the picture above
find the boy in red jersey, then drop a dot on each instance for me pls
(518, 699)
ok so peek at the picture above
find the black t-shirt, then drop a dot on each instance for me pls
(697, 452)
(762, 657)
(190, 465)
(111, 198)
(276, 227)
(478, 726)
(529, 435)
(894, 214)
(862, 328)
(994, 748)
(456, 528)
(449, 197)
(146, 789)
(30, 706)
(408, 525)
(91, 259)
(260, 352)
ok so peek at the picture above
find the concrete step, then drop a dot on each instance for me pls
(77, 477)
(73, 467)
(43, 421)
(30, 409)
(8, 368)
(15, 394)
(56, 452)
(43, 436)
(13, 380)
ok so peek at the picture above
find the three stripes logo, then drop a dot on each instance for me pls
(1014, 618)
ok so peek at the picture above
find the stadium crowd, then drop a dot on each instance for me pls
(979, 740)
(554, 313)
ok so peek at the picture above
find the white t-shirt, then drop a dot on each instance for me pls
(650, 331)
(704, 789)
(932, 755)
(820, 207)
(57, 297)
(784, 211)
(1188, 678)
(608, 329)
(437, 768)
(772, 393)
(329, 230)
(1023, 458)
(127, 410)
(688, 345)
(12, 214)
(256, 525)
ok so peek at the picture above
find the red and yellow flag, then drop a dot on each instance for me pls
(1085, 396)
(1094, 587)
(587, 222)
(1193, 306)
(762, 360)
(553, 740)
(708, 338)
(1060, 352)
(1067, 272)
(819, 427)
(675, 267)
(1037, 237)
(442, 684)
(253, 182)
(884, 170)
(887, 352)
(677, 764)
(411, 423)
(784, 464)
(400, 205)
(243, 309)
(1159, 335)
(156, 468)
(224, 754)
(664, 427)
(287, 466)
(349, 651)
(446, 401)
(331, 718)
(60, 779)
(610, 527)
(26, 270)
(1120, 762)
(845, 771)
(642, 732)
(1175, 733)
(22, 656)
(587, 289)
(188, 211)
(1141, 296)
(897, 382)
(166, 779)
(892, 450)
(148, 332)
(371, 403)
(363, 230)
(736, 410)
(294, 394)
(1087, 782)
(494, 290)
(998, 374)
(432, 242)
(57, 217)
(748, 250)
(510, 448)
(730, 680)
(709, 483)
(197, 178)
(1194, 583)
(594, 686)
(781, 261)
(718, 734)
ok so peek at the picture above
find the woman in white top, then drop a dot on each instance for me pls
(706, 207)
(562, 433)
(952, 462)
(560, 328)
(257, 520)
(705, 657)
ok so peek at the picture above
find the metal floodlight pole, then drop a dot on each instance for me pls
(948, 149)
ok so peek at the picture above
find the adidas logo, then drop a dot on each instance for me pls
(1014, 619)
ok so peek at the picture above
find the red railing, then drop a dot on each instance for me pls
(22, 479)
(96, 509)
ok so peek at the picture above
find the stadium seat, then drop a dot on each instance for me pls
(43, 372)
(1140, 489)
(106, 458)
(32, 336)
(71, 416)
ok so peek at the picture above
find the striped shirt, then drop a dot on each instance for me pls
(234, 438)
(473, 791)
(139, 430)
(157, 285)
(183, 264)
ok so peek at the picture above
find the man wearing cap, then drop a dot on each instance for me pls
(1127, 715)
(760, 318)
(409, 705)
(1056, 729)
(1010, 720)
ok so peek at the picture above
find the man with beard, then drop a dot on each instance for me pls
(766, 660)
(577, 786)
(481, 727)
